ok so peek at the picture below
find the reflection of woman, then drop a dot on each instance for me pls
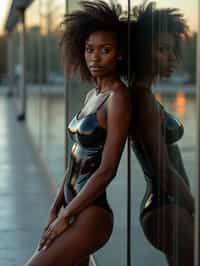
(168, 206)
(92, 45)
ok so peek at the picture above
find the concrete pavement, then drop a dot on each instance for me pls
(25, 194)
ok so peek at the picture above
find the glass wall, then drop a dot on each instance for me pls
(46, 118)
(177, 94)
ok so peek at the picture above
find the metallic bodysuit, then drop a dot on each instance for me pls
(89, 138)
(154, 196)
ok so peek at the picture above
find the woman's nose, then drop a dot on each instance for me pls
(95, 56)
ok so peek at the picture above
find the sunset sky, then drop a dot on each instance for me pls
(189, 8)
(4, 4)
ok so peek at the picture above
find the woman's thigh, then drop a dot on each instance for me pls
(90, 231)
(171, 230)
(84, 262)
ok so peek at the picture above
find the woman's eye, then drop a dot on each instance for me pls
(105, 50)
(88, 50)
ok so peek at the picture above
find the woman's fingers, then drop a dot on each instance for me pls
(44, 232)
(48, 238)
(47, 242)
(44, 238)
(41, 244)
(53, 230)
(46, 227)
(50, 221)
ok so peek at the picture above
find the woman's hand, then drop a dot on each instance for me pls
(52, 217)
(54, 230)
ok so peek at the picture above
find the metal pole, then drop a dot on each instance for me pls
(22, 114)
(40, 65)
(66, 97)
(10, 65)
(197, 197)
(48, 40)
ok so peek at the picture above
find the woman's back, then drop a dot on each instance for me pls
(152, 125)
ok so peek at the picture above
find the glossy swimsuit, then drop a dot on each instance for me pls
(89, 138)
(155, 197)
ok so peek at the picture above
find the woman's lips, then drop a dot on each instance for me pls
(95, 68)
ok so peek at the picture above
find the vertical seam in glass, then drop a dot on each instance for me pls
(197, 196)
(128, 258)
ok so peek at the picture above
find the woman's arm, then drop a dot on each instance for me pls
(157, 154)
(118, 114)
(59, 198)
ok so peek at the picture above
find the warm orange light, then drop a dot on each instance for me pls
(158, 96)
(4, 6)
(180, 104)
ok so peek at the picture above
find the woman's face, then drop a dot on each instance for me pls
(101, 54)
(163, 55)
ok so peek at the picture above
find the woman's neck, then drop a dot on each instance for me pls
(105, 83)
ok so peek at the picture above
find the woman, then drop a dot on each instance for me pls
(167, 208)
(92, 46)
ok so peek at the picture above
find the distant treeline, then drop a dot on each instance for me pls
(43, 59)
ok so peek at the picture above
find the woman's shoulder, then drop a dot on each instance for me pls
(120, 91)
(120, 98)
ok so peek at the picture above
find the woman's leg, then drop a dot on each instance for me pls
(84, 262)
(90, 231)
(171, 230)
